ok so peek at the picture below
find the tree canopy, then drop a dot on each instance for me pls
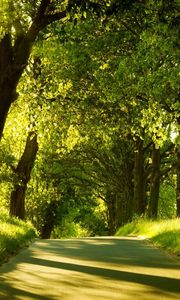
(89, 113)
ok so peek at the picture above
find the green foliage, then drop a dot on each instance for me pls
(91, 88)
(69, 229)
(14, 235)
(167, 201)
(165, 234)
(16, 16)
(80, 219)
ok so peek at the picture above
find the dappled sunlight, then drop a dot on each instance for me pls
(89, 141)
(92, 268)
(65, 281)
(99, 250)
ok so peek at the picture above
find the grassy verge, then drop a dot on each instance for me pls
(163, 233)
(14, 234)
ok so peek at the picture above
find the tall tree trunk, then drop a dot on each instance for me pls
(128, 188)
(49, 219)
(22, 176)
(178, 186)
(111, 206)
(124, 196)
(7, 80)
(178, 176)
(154, 184)
(128, 203)
(139, 201)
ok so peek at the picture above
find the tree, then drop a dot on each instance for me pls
(20, 27)
(178, 174)
(22, 176)
(154, 184)
(104, 103)
(124, 81)
(139, 201)
(16, 44)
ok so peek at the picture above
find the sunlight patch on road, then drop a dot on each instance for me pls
(89, 269)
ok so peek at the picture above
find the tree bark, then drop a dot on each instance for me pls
(128, 188)
(124, 194)
(154, 184)
(22, 176)
(139, 201)
(178, 186)
(7, 83)
(49, 219)
(178, 176)
(111, 207)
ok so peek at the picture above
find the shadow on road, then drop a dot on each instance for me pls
(115, 251)
(164, 283)
(112, 250)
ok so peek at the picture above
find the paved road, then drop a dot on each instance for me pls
(89, 269)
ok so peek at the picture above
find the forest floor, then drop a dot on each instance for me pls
(90, 268)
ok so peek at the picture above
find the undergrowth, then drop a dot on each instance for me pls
(14, 234)
(163, 233)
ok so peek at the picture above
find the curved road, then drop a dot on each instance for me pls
(90, 268)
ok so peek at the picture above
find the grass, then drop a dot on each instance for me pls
(14, 234)
(163, 233)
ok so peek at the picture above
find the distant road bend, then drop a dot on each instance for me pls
(90, 268)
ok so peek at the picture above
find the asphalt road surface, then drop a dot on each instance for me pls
(90, 268)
